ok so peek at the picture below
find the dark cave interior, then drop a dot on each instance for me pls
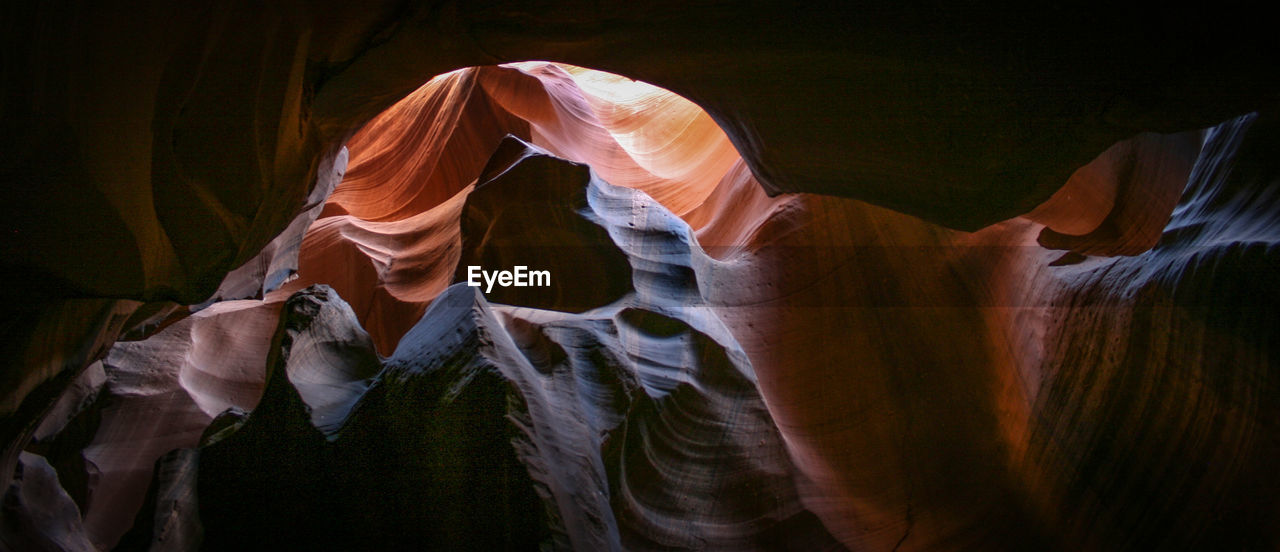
(881, 276)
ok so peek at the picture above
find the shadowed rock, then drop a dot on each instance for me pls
(403, 469)
(634, 425)
(169, 520)
(935, 389)
(37, 514)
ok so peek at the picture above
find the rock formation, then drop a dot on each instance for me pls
(952, 278)
(633, 425)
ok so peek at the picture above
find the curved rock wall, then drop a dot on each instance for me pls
(637, 422)
(1094, 376)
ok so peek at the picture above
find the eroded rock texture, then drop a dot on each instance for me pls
(169, 519)
(633, 425)
(38, 513)
(885, 361)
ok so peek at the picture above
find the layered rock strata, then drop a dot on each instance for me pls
(1017, 387)
(633, 425)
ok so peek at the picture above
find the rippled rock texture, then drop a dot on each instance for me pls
(1019, 295)
(635, 424)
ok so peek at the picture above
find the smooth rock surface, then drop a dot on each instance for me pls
(633, 425)
(1096, 376)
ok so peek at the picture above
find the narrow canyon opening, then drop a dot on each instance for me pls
(972, 279)
(388, 237)
(623, 193)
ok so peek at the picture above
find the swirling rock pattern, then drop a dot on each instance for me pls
(150, 397)
(393, 221)
(636, 422)
(192, 137)
(931, 389)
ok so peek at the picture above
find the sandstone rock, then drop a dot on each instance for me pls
(601, 424)
(918, 387)
(38, 514)
(169, 519)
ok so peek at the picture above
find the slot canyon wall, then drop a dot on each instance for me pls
(893, 277)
